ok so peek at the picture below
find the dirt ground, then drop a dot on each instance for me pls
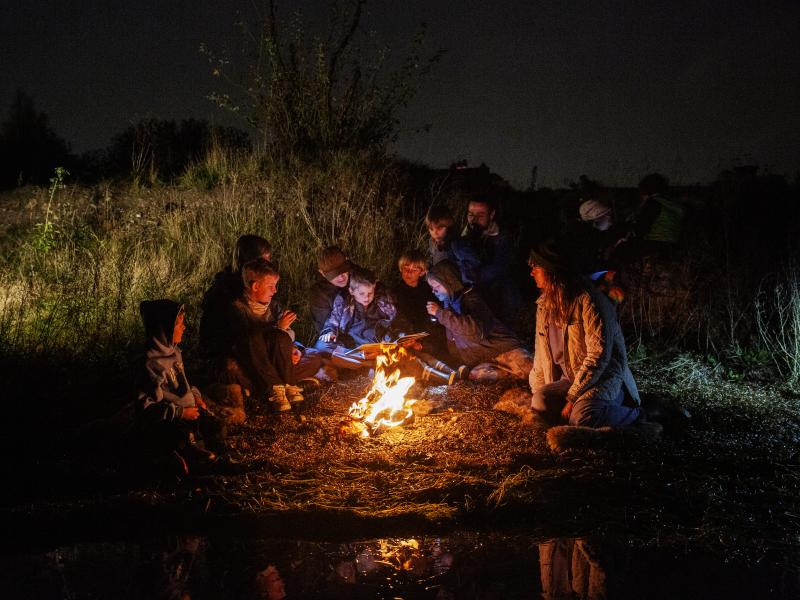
(728, 478)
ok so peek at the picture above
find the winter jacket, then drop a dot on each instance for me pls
(411, 302)
(321, 298)
(474, 335)
(459, 252)
(365, 325)
(494, 251)
(595, 358)
(164, 390)
(659, 219)
(226, 287)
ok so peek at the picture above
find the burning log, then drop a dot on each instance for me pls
(385, 405)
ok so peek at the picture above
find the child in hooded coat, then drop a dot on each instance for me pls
(171, 413)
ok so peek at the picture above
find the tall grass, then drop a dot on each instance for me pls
(81, 296)
(778, 321)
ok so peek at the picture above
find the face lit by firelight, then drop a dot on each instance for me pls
(341, 279)
(363, 293)
(411, 274)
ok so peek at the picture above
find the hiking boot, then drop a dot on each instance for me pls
(278, 399)
(294, 393)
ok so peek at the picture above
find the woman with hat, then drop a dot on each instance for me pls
(580, 366)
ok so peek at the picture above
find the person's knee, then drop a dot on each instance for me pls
(588, 416)
(538, 402)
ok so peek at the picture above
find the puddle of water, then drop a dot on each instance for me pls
(462, 565)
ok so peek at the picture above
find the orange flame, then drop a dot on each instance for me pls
(385, 406)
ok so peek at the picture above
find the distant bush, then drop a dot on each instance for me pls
(154, 151)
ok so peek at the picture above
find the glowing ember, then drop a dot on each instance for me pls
(385, 406)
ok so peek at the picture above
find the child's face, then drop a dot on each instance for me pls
(363, 294)
(180, 327)
(438, 231)
(411, 274)
(438, 289)
(264, 289)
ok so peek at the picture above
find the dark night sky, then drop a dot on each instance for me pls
(610, 89)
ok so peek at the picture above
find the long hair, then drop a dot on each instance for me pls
(559, 294)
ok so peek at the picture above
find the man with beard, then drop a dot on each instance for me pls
(496, 255)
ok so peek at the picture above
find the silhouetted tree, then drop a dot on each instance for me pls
(29, 148)
(310, 97)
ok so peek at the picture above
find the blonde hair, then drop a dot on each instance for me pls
(412, 257)
(359, 277)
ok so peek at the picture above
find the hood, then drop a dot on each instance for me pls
(447, 274)
(159, 318)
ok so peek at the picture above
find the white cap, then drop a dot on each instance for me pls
(591, 210)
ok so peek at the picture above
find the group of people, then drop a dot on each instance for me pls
(459, 292)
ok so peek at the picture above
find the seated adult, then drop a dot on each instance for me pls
(364, 316)
(580, 367)
(475, 337)
(495, 253)
(330, 283)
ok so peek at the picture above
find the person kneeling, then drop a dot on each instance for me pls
(580, 367)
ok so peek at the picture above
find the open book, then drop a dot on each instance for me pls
(376, 347)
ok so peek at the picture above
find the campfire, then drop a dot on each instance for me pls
(385, 405)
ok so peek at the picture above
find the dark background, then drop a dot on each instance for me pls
(610, 89)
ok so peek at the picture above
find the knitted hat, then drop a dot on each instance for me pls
(333, 262)
(551, 256)
(591, 210)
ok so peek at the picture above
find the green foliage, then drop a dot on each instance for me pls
(45, 234)
(313, 97)
(76, 294)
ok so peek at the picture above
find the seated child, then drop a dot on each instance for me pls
(474, 335)
(170, 413)
(264, 358)
(412, 295)
(330, 283)
(365, 316)
(227, 287)
(446, 244)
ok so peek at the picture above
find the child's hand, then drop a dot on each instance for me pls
(286, 319)
(296, 355)
(432, 308)
(190, 413)
(327, 337)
